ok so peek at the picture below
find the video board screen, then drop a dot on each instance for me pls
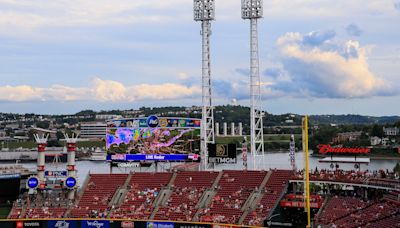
(153, 138)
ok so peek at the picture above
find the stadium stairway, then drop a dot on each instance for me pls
(324, 204)
(121, 192)
(274, 189)
(204, 201)
(98, 194)
(188, 189)
(164, 195)
(207, 197)
(254, 199)
(161, 200)
(234, 189)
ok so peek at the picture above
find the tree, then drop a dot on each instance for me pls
(31, 132)
(59, 135)
(397, 168)
(377, 131)
(43, 124)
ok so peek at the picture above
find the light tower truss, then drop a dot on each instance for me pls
(253, 10)
(204, 12)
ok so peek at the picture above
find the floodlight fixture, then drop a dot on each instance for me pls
(252, 9)
(204, 10)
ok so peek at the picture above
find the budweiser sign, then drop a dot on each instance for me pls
(326, 148)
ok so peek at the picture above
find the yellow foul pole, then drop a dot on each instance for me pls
(307, 176)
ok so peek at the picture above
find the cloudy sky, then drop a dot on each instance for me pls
(316, 56)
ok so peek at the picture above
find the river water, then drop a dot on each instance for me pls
(271, 160)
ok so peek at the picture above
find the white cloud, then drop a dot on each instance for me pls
(19, 93)
(329, 69)
(183, 76)
(101, 90)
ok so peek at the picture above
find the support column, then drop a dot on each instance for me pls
(41, 148)
(225, 129)
(253, 10)
(41, 142)
(71, 150)
(204, 11)
(233, 129)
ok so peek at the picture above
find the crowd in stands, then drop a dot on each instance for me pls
(272, 192)
(217, 197)
(233, 190)
(378, 178)
(187, 189)
(143, 189)
(95, 200)
(339, 207)
(393, 196)
(353, 212)
(48, 204)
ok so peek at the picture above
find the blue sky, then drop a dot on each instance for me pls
(316, 57)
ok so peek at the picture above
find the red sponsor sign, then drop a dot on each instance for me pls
(326, 148)
(127, 224)
(300, 204)
(19, 224)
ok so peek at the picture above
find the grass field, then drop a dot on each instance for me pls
(4, 211)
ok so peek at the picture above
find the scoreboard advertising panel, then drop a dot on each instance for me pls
(222, 153)
(153, 139)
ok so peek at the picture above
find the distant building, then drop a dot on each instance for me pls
(385, 141)
(347, 137)
(375, 140)
(107, 117)
(132, 112)
(93, 130)
(193, 108)
(13, 126)
(391, 131)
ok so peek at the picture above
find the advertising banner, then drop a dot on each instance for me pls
(192, 225)
(55, 173)
(62, 224)
(222, 153)
(95, 224)
(160, 225)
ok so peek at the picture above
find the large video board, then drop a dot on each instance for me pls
(153, 139)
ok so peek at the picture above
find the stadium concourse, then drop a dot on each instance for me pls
(370, 199)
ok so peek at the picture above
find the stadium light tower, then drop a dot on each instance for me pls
(253, 10)
(204, 12)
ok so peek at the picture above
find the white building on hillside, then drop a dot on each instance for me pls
(375, 140)
(93, 130)
(391, 131)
